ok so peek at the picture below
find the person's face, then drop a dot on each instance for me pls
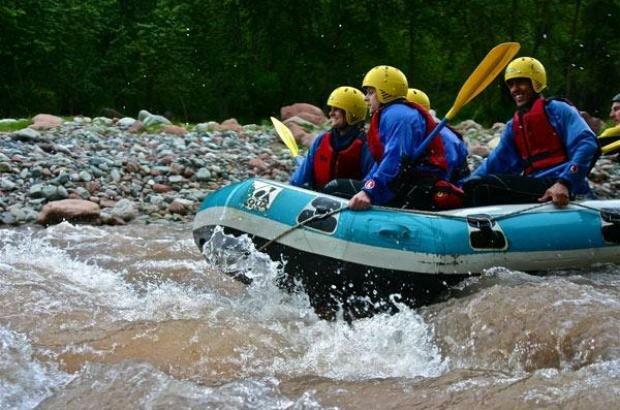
(521, 91)
(337, 117)
(615, 112)
(371, 99)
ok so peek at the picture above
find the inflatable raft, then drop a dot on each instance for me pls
(344, 257)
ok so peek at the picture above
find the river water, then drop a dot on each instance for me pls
(133, 317)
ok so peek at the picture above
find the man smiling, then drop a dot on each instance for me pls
(545, 152)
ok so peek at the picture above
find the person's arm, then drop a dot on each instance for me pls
(401, 135)
(504, 159)
(304, 174)
(455, 152)
(579, 140)
(366, 161)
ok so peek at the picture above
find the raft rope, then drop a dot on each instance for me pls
(302, 223)
(420, 212)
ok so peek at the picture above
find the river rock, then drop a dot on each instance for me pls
(72, 210)
(306, 111)
(45, 122)
(125, 210)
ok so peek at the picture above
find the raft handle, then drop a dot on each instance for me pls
(482, 222)
(482, 236)
(611, 215)
(610, 228)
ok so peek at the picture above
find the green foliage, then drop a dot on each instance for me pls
(14, 125)
(215, 59)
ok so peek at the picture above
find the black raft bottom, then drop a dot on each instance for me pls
(357, 290)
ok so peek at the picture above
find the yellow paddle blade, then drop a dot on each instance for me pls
(286, 136)
(492, 64)
(611, 148)
(610, 132)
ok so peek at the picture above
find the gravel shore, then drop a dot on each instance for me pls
(160, 176)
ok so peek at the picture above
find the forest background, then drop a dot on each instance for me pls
(211, 60)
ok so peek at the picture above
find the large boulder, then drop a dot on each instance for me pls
(301, 134)
(45, 122)
(231, 124)
(306, 111)
(72, 210)
(174, 130)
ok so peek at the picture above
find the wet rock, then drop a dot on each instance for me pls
(136, 127)
(26, 135)
(72, 210)
(231, 124)
(306, 111)
(125, 122)
(125, 210)
(149, 119)
(203, 174)
(174, 130)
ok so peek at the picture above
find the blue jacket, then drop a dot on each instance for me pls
(304, 173)
(578, 139)
(401, 130)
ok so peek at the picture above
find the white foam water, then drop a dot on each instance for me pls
(24, 380)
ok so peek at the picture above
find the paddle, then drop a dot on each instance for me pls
(492, 64)
(610, 137)
(612, 148)
(286, 136)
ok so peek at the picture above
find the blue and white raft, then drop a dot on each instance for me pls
(340, 255)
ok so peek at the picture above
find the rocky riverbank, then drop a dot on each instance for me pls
(124, 174)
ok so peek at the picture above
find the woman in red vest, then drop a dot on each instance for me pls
(340, 154)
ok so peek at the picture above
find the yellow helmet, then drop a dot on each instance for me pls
(389, 82)
(351, 101)
(419, 97)
(527, 67)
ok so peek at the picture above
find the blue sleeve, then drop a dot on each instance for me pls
(366, 161)
(304, 174)
(400, 133)
(579, 140)
(455, 152)
(504, 159)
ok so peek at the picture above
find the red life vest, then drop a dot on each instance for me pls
(330, 164)
(434, 153)
(537, 141)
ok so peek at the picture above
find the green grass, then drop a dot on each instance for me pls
(14, 126)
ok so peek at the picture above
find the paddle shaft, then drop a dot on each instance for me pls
(478, 80)
(428, 139)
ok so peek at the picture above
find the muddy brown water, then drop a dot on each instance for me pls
(133, 317)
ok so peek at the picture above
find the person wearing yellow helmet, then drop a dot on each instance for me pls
(342, 152)
(396, 130)
(545, 152)
(419, 97)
